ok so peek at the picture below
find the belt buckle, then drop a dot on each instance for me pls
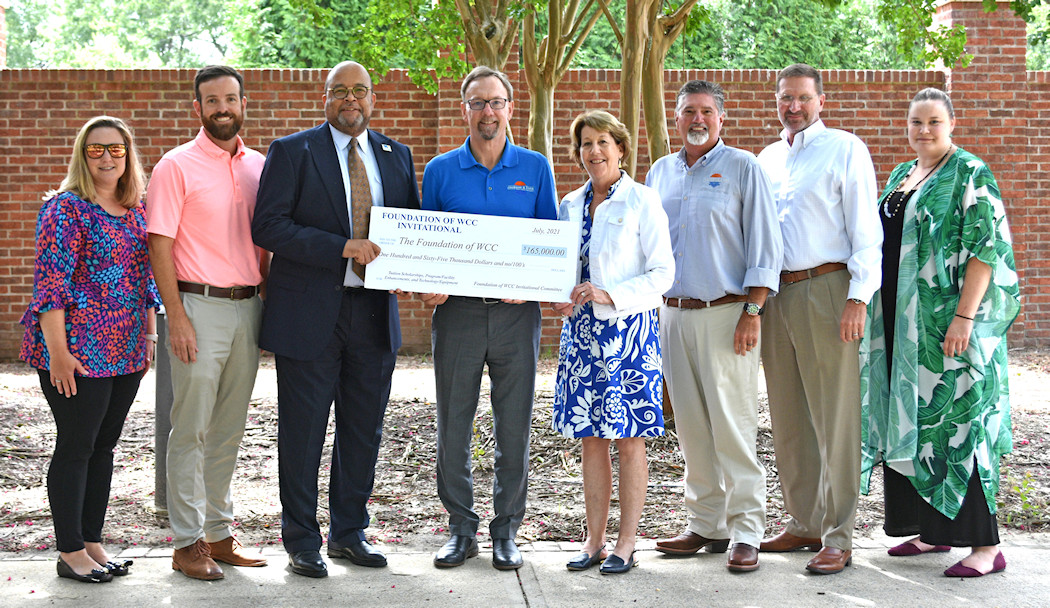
(232, 290)
(490, 301)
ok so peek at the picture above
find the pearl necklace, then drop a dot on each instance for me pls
(900, 198)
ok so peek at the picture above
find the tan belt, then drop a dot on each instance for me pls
(692, 304)
(787, 278)
(229, 293)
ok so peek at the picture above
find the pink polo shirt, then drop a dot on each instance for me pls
(204, 198)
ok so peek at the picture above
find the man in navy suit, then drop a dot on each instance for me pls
(333, 339)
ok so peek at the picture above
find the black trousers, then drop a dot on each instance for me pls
(89, 424)
(907, 514)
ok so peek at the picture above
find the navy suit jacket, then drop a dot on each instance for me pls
(301, 216)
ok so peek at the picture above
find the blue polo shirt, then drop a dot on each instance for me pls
(520, 185)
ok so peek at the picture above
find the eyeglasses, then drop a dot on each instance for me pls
(359, 91)
(97, 150)
(496, 103)
(787, 100)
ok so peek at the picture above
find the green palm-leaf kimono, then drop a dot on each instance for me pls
(938, 415)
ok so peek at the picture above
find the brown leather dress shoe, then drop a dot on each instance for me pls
(830, 561)
(195, 562)
(231, 551)
(786, 541)
(688, 543)
(743, 558)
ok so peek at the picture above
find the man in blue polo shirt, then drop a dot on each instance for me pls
(486, 175)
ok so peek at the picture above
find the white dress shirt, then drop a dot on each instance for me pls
(375, 183)
(824, 185)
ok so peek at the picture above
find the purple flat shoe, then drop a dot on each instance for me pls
(961, 571)
(908, 549)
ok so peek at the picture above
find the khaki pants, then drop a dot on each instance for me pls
(714, 394)
(813, 378)
(208, 414)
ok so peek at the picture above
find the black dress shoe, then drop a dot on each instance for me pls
(360, 553)
(308, 563)
(118, 568)
(505, 554)
(456, 551)
(614, 564)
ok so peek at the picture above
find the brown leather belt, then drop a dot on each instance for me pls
(692, 304)
(229, 293)
(787, 278)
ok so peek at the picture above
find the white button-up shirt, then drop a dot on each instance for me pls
(824, 185)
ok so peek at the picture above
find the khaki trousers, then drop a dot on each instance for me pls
(813, 379)
(714, 394)
(208, 414)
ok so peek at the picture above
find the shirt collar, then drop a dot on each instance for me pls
(211, 149)
(808, 134)
(713, 153)
(342, 140)
(509, 158)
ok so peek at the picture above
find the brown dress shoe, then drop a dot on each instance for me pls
(743, 558)
(786, 541)
(195, 562)
(230, 551)
(830, 561)
(688, 543)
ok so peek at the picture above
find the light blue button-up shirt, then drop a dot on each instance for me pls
(724, 229)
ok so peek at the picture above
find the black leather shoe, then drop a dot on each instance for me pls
(583, 561)
(456, 551)
(308, 563)
(95, 576)
(614, 564)
(505, 554)
(360, 553)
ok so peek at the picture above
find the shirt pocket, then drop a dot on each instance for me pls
(708, 204)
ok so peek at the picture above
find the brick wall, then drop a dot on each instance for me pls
(997, 104)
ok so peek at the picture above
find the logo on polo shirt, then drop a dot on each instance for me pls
(714, 183)
(521, 187)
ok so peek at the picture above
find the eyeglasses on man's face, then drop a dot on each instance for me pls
(496, 103)
(341, 92)
(97, 150)
(787, 100)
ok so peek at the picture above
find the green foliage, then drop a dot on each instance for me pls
(1038, 57)
(424, 37)
(753, 34)
(296, 33)
(112, 34)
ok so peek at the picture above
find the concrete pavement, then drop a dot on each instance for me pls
(874, 579)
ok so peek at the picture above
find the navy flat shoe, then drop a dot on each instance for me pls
(614, 564)
(583, 561)
(118, 568)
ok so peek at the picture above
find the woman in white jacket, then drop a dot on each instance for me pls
(609, 385)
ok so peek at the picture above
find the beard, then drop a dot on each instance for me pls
(356, 125)
(697, 138)
(224, 131)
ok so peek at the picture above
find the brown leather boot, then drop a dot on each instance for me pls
(195, 562)
(230, 551)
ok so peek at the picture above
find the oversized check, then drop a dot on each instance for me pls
(464, 254)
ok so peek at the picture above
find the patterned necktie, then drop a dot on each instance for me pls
(360, 200)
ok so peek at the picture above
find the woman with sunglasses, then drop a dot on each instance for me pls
(90, 332)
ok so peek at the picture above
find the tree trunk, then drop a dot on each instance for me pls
(541, 118)
(653, 103)
(635, 39)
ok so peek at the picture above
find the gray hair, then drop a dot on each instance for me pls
(704, 87)
(484, 71)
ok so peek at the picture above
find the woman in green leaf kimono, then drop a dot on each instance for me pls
(934, 377)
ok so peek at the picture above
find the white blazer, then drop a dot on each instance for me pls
(630, 253)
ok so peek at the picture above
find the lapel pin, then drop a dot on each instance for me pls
(386, 148)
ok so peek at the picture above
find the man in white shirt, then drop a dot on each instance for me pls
(824, 184)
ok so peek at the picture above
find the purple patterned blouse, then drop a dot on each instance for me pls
(96, 267)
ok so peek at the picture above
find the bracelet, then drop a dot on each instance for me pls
(151, 337)
(962, 317)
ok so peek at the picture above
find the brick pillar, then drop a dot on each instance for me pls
(992, 109)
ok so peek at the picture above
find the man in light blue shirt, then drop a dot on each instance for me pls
(728, 253)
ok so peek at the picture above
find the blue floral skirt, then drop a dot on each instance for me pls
(609, 383)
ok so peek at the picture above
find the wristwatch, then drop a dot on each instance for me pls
(753, 309)
(858, 301)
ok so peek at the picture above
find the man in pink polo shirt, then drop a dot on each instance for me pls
(201, 198)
